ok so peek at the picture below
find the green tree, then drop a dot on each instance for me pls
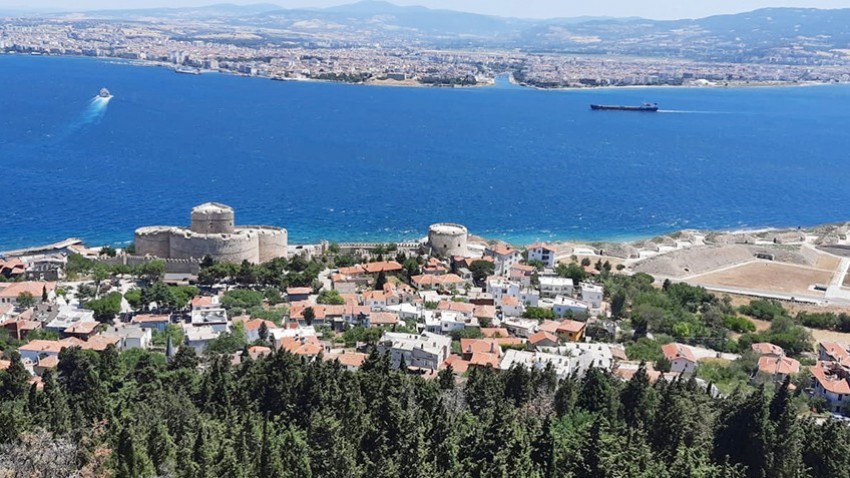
(25, 300)
(481, 270)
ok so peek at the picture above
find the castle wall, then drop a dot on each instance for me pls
(447, 239)
(154, 241)
(236, 247)
(272, 241)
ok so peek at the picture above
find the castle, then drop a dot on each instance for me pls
(213, 233)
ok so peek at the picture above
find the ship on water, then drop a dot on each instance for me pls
(647, 107)
(188, 71)
(104, 93)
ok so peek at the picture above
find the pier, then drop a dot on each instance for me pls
(55, 247)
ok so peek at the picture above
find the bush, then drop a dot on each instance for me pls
(242, 298)
(738, 324)
(764, 309)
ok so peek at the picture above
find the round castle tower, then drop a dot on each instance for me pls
(447, 239)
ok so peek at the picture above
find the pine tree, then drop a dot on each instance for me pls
(639, 400)
(446, 378)
(161, 449)
(16, 378)
(130, 458)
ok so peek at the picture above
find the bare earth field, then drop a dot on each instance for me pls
(767, 276)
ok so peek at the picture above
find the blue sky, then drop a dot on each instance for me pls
(661, 9)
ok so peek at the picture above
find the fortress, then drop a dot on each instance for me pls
(213, 233)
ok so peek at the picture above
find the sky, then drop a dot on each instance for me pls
(658, 9)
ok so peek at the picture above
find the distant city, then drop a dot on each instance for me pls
(375, 42)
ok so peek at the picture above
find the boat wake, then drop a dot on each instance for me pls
(694, 112)
(94, 112)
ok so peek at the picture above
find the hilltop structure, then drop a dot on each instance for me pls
(213, 233)
(447, 239)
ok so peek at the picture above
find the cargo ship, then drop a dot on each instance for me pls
(650, 107)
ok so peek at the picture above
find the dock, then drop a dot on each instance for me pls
(55, 247)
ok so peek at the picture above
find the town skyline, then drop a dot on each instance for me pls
(534, 9)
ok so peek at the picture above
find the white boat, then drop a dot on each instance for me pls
(104, 93)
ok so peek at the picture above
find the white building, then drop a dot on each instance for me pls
(426, 350)
(199, 337)
(564, 365)
(592, 294)
(555, 286)
(681, 358)
(215, 317)
(68, 316)
(563, 306)
(504, 256)
(543, 253)
(520, 327)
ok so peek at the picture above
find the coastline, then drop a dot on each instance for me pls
(600, 242)
(490, 83)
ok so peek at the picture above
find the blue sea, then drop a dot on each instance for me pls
(349, 162)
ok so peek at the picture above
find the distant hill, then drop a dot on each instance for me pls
(759, 34)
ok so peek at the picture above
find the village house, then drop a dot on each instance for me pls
(592, 294)
(504, 257)
(552, 286)
(543, 253)
(9, 292)
(830, 382)
(425, 351)
(681, 358)
(437, 282)
(154, 322)
(568, 307)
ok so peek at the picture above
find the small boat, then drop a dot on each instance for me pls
(650, 107)
(188, 71)
(104, 93)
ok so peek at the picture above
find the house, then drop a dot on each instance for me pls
(583, 356)
(12, 268)
(543, 339)
(205, 302)
(130, 336)
(426, 350)
(833, 352)
(520, 327)
(592, 294)
(21, 327)
(303, 346)
(9, 292)
(463, 308)
(82, 330)
(766, 348)
(521, 273)
(382, 319)
(543, 253)
(198, 337)
(37, 349)
(555, 286)
(571, 329)
(778, 367)
(830, 382)
(348, 360)
(495, 333)
(569, 307)
(154, 322)
(252, 328)
(215, 317)
(437, 282)
(298, 294)
(510, 305)
(682, 360)
(504, 257)
(69, 316)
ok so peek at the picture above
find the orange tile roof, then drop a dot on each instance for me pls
(673, 351)
(835, 350)
(301, 345)
(383, 318)
(550, 326)
(541, 336)
(509, 301)
(491, 332)
(258, 351)
(766, 348)
(99, 343)
(349, 359)
(255, 324)
(830, 381)
(82, 328)
(570, 326)
(771, 365)
(503, 250)
(46, 346)
(470, 346)
(148, 318)
(299, 290)
(432, 280)
(202, 301)
(35, 288)
(462, 307)
(542, 245)
(482, 359)
(459, 365)
(5, 364)
(51, 361)
(386, 266)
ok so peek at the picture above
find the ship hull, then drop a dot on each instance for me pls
(647, 109)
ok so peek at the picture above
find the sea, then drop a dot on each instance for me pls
(372, 163)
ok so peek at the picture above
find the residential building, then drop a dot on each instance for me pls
(543, 253)
(426, 351)
(778, 367)
(830, 381)
(567, 306)
(504, 257)
(592, 294)
(552, 286)
(681, 358)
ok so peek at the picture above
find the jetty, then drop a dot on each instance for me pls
(55, 247)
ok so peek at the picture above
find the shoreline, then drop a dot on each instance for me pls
(491, 83)
(622, 240)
